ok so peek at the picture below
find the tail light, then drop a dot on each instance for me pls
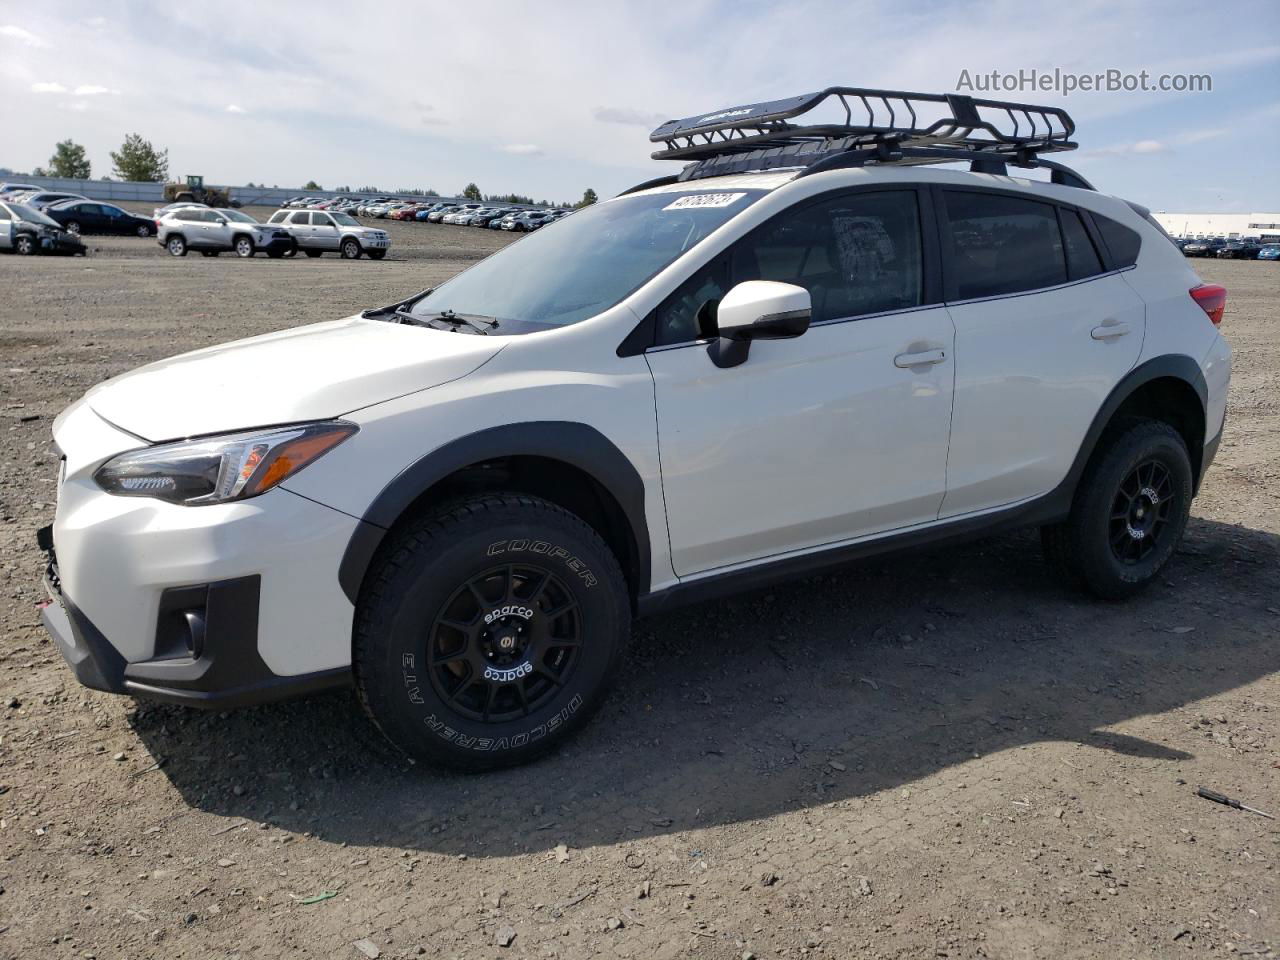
(1212, 299)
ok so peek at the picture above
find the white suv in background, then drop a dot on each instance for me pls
(323, 231)
(212, 232)
(798, 351)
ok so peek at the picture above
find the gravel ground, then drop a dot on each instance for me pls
(945, 755)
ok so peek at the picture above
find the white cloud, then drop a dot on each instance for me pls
(634, 118)
(523, 149)
(92, 90)
(232, 108)
(48, 88)
(23, 36)
(1149, 146)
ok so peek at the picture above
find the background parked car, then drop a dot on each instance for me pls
(1240, 250)
(212, 232)
(9, 191)
(39, 199)
(320, 231)
(1203, 248)
(159, 212)
(26, 231)
(1269, 251)
(90, 216)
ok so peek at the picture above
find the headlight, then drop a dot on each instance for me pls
(220, 469)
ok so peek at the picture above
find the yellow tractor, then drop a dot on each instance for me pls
(195, 190)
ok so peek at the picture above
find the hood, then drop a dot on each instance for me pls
(308, 373)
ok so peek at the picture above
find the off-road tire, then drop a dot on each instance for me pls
(350, 250)
(505, 542)
(1084, 547)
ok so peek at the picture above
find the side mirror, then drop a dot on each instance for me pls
(222, 220)
(758, 310)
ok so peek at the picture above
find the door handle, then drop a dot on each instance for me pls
(1109, 330)
(921, 359)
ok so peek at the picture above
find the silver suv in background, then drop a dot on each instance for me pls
(214, 231)
(322, 231)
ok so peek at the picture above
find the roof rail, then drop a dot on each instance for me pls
(892, 126)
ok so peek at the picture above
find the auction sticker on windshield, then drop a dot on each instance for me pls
(704, 201)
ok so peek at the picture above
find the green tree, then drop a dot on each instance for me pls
(69, 160)
(472, 192)
(588, 198)
(311, 185)
(139, 160)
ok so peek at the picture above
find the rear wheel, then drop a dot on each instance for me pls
(490, 631)
(1130, 511)
(144, 231)
(176, 246)
(291, 250)
(350, 250)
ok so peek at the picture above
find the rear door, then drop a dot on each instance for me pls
(300, 227)
(1044, 331)
(6, 228)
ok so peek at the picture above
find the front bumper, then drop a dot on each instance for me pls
(61, 243)
(214, 605)
(219, 667)
(276, 244)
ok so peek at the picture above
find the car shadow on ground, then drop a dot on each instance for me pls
(731, 711)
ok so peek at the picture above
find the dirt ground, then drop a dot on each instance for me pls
(941, 755)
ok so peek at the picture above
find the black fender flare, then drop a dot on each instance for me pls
(575, 444)
(1174, 365)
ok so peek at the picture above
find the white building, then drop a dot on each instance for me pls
(1229, 226)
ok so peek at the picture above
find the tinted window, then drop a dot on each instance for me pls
(1082, 257)
(187, 215)
(278, 217)
(1002, 244)
(112, 211)
(321, 220)
(857, 254)
(1120, 240)
(303, 218)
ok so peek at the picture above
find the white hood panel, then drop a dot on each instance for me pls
(314, 372)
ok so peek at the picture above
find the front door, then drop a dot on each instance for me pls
(837, 434)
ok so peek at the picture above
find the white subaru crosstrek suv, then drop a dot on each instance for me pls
(811, 345)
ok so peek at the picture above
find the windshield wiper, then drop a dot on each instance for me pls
(475, 322)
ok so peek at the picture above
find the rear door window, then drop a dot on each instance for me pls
(1122, 242)
(1001, 244)
(1082, 257)
(301, 218)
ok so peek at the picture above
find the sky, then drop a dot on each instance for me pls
(547, 99)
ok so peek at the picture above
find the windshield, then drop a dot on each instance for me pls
(31, 216)
(344, 219)
(577, 267)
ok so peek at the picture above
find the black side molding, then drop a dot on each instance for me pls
(576, 444)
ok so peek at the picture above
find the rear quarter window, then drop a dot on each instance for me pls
(1122, 242)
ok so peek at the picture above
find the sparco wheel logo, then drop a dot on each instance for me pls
(508, 611)
(507, 676)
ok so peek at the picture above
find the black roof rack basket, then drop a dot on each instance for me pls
(868, 126)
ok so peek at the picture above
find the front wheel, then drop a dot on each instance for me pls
(24, 244)
(176, 246)
(73, 227)
(244, 247)
(350, 250)
(488, 632)
(1129, 513)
